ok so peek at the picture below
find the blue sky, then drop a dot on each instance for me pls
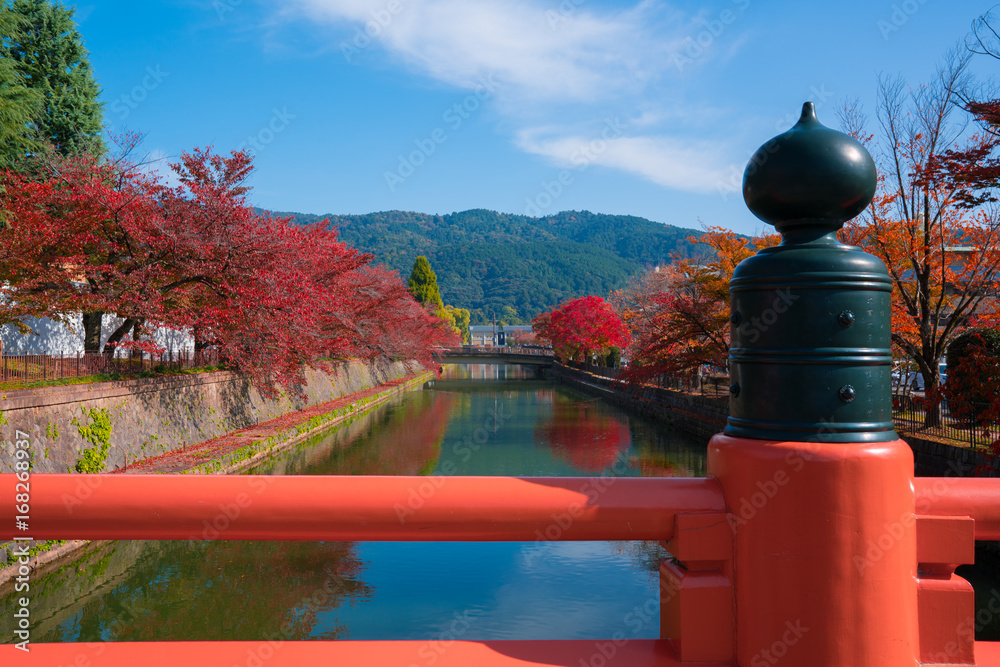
(522, 106)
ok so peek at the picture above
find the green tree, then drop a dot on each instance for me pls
(423, 285)
(47, 51)
(461, 317)
(508, 314)
(19, 104)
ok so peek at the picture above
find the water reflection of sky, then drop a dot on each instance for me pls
(555, 590)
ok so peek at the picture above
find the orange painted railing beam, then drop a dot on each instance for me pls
(619, 651)
(567, 653)
(166, 507)
(976, 497)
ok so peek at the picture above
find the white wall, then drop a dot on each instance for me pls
(53, 337)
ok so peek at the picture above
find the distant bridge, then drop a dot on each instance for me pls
(469, 354)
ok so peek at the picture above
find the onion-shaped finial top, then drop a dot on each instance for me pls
(810, 176)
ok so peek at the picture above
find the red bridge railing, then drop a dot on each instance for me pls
(499, 509)
(689, 516)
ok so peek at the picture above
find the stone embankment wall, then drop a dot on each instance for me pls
(934, 459)
(703, 416)
(101, 426)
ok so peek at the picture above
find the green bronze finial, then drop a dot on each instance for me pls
(809, 173)
(809, 356)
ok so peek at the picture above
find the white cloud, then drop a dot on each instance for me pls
(681, 164)
(556, 62)
(539, 51)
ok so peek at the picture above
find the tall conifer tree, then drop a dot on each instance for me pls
(423, 285)
(47, 51)
(18, 104)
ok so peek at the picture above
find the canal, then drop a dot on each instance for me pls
(475, 420)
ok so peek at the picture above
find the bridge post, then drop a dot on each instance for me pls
(818, 485)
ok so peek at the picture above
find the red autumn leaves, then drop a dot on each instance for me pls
(93, 235)
(581, 328)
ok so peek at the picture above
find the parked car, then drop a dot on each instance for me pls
(911, 381)
(908, 386)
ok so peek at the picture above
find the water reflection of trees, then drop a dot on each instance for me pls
(261, 590)
(585, 434)
(402, 440)
(222, 591)
(647, 555)
(655, 463)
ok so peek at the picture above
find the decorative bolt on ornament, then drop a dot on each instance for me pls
(819, 308)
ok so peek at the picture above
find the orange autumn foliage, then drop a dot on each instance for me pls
(679, 316)
(928, 221)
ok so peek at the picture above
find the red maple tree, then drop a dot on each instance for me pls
(581, 328)
(96, 235)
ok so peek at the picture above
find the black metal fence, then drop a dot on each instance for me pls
(910, 413)
(22, 368)
(706, 385)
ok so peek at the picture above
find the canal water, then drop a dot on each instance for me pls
(475, 420)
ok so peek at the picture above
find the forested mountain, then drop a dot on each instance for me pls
(485, 260)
